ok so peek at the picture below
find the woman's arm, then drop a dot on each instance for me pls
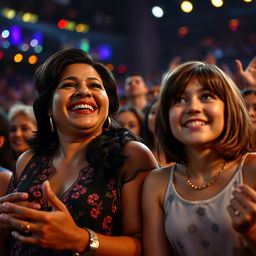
(47, 229)
(155, 241)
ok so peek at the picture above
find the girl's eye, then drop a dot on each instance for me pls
(179, 100)
(207, 96)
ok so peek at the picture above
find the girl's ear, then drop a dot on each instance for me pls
(2, 141)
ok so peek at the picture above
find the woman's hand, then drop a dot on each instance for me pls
(248, 76)
(18, 198)
(242, 210)
(54, 230)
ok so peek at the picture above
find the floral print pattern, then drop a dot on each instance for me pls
(93, 201)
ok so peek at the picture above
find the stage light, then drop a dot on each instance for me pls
(110, 66)
(183, 31)
(15, 32)
(1, 55)
(62, 24)
(104, 52)
(247, 1)
(186, 6)
(6, 44)
(5, 33)
(18, 58)
(217, 3)
(121, 69)
(38, 48)
(233, 24)
(32, 59)
(24, 47)
(157, 12)
(33, 43)
(9, 13)
(82, 28)
(85, 46)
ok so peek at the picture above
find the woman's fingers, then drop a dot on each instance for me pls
(52, 198)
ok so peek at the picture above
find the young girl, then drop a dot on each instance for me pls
(205, 204)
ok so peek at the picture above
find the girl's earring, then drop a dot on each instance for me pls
(107, 128)
(51, 123)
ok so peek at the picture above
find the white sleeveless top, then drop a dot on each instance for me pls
(203, 227)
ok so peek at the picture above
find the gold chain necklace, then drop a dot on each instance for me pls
(210, 182)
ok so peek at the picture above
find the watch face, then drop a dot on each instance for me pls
(94, 242)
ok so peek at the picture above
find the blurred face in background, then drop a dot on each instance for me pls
(130, 121)
(152, 117)
(135, 86)
(250, 101)
(22, 128)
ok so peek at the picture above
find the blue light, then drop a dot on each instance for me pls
(105, 52)
(15, 35)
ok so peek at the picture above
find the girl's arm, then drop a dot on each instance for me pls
(155, 241)
(242, 208)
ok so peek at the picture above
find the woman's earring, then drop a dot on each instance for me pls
(51, 123)
(107, 128)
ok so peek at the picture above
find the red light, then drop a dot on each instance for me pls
(62, 24)
(1, 55)
(121, 69)
(233, 24)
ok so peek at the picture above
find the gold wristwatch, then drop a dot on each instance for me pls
(93, 243)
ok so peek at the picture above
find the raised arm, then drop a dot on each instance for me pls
(248, 76)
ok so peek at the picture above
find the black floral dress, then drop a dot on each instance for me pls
(92, 200)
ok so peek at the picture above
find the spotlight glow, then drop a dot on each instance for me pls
(157, 12)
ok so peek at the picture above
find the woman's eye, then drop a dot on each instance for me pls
(95, 85)
(67, 85)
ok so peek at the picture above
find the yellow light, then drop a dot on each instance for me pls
(32, 59)
(34, 18)
(217, 3)
(186, 6)
(82, 28)
(18, 57)
(71, 25)
(26, 17)
(248, 1)
(9, 13)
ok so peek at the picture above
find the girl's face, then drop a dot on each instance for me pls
(250, 101)
(152, 118)
(22, 128)
(80, 102)
(196, 116)
(130, 121)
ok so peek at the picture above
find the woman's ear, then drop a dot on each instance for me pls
(2, 141)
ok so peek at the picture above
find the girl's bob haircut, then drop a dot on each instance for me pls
(238, 135)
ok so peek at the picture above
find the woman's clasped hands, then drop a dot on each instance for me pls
(54, 230)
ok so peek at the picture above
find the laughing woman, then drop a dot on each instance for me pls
(84, 172)
(206, 203)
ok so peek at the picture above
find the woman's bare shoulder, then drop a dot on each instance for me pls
(22, 162)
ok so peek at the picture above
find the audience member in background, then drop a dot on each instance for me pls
(250, 101)
(84, 170)
(136, 91)
(23, 124)
(131, 118)
(246, 78)
(149, 134)
(206, 203)
(6, 159)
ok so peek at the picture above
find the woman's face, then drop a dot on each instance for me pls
(80, 102)
(22, 128)
(130, 121)
(152, 118)
(197, 116)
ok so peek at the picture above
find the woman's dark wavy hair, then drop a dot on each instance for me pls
(238, 135)
(6, 154)
(103, 152)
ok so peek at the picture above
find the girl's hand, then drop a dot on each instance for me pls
(18, 198)
(242, 210)
(54, 230)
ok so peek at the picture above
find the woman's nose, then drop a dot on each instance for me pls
(83, 90)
